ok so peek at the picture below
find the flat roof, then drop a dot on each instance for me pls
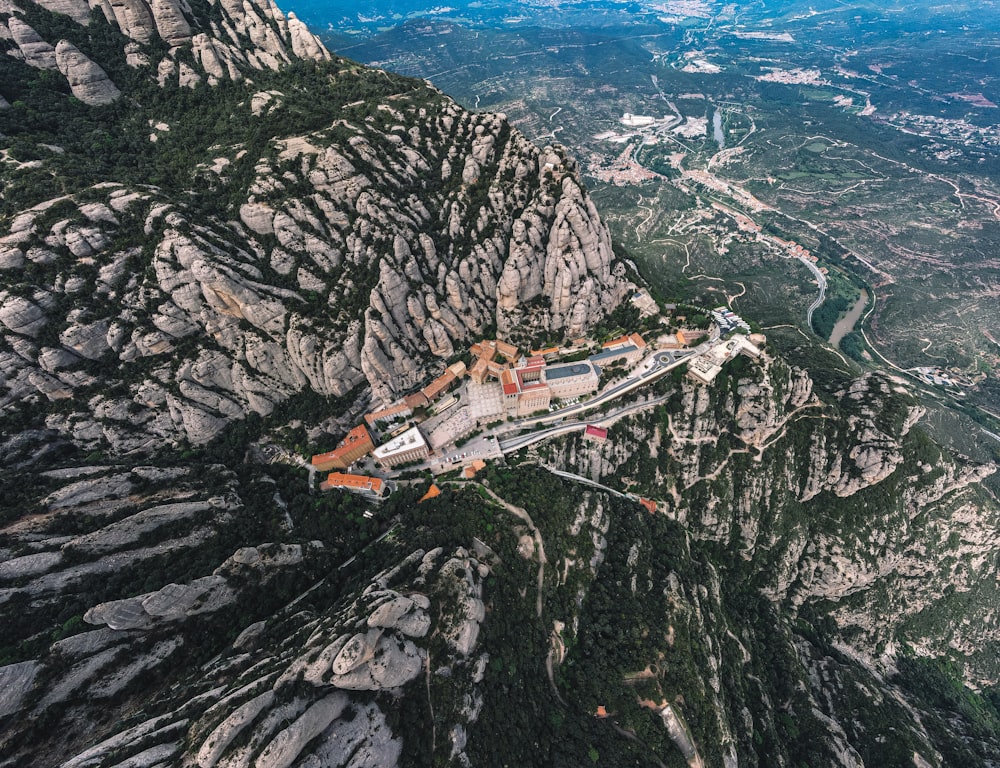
(611, 354)
(407, 441)
(565, 371)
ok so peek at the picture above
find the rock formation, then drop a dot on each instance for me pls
(371, 274)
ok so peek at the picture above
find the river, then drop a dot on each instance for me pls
(720, 137)
(846, 324)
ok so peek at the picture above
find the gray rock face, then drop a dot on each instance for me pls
(36, 51)
(284, 748)
(170, 22)
(300, 298)
(90, 83)
(78, 10)
(16, 681)
(286, 703)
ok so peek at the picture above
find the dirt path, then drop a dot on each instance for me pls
(536, 535)
(542, 560)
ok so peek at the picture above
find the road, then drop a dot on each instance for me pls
(653, 367)
(583, 480)
(821, 280)
(523, 441)
(536, 535)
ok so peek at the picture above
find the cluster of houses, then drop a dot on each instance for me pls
(502, 384)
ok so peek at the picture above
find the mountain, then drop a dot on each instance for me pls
(219, 244)
(261, 234)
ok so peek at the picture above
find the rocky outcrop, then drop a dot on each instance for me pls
(218, 45)
(35, 51)
(226, 319)
(78, 10)
(304, 702)
(90, 83)
(764, 466)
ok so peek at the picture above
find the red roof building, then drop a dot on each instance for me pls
(356, 483)
(415, 400)
(358, 443)
(597, 434)
(621, 341)
(649, 504)
(439, 386)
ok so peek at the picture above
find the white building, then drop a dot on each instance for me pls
(637, 121)
(706, 367)
(407, 447)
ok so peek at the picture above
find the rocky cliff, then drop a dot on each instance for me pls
(338, 231)
(214, 234)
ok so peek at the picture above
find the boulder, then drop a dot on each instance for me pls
(36, 51)
(89, 83)
(16, 682)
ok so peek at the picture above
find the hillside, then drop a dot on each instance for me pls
(219, 244)
(204, 249)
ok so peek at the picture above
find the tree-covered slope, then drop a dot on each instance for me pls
(226, 237)
(190, 254)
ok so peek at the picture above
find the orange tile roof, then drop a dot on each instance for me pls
(649, 504)
(439, 385)
(546, 351)
(432, 492)
(415, 400)
(510, 386)
(484, 349)
(349, 443)
(636, 339)
(620, 341)
(601, 711)
(323, 458)
(507, 350)
(479, 367)
(359, 482)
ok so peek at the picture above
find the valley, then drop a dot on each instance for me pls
(815, 140)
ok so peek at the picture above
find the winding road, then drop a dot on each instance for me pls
(821, 280)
